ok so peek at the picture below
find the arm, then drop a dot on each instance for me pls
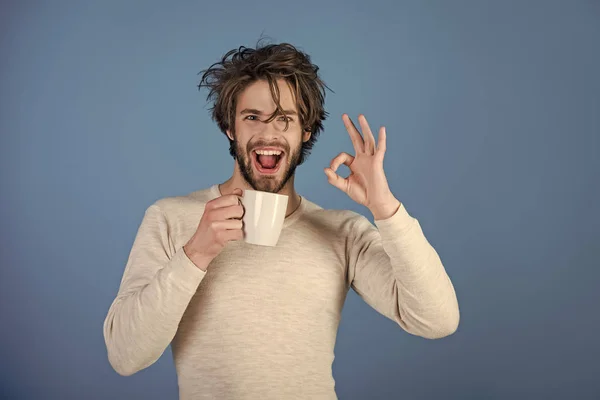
(398, 273)
(155, 291)
(395, 269)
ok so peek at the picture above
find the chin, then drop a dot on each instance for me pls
(267, 184)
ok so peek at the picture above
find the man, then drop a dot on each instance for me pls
(256, 322)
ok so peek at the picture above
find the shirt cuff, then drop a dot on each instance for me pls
(401, 222)
(185, 272)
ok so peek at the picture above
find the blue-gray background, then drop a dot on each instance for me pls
(493, 118)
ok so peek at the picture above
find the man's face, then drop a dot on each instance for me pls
(267, 155)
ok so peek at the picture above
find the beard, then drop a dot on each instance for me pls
(266, 183)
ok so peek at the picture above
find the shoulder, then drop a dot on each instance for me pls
(174, 207)
(341, 222)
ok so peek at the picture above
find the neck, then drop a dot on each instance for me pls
(238, 181)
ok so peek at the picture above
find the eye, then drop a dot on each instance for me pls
(284, 118)
(252, 117)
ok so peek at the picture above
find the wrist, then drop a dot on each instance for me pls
(197, 259)
(385, 210)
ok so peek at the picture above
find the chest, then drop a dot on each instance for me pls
(304, 274)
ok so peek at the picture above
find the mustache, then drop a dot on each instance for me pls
(256, 145)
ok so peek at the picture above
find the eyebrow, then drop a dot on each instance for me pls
(258, 112)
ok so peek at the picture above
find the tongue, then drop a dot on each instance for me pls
(267, 161)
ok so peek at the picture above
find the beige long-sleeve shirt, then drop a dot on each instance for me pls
(261, 323)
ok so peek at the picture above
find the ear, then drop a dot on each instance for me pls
(229, 135)
(306, 135)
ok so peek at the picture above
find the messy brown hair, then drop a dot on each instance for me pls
(241, 67)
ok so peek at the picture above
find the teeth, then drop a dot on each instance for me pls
(268, 152)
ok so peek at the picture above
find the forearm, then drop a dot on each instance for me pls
(427, 303)
(141, 323)
(426, 298)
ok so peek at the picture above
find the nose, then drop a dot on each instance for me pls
(272, 129)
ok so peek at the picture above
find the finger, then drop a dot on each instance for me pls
(240, 193)
(223, 201)
(228, 224)
(233, 235)
(336, 180)
(229, 212)
(357, 140)
(367, 134)
(381, 141)
(342, 158)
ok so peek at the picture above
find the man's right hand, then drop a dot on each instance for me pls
(220, 224)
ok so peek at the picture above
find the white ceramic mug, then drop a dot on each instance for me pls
(263, 216)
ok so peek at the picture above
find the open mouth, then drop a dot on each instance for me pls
(267, 161)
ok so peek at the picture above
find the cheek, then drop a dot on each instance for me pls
(299, 142)
(242, 135)
(246, 133)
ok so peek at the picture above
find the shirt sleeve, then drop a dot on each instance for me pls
(396, 271)
(155, 291)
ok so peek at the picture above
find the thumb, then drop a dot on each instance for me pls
(336, 180)
(238, 192)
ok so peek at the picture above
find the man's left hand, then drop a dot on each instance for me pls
(366, 184)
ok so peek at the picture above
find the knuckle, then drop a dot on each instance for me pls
(240, 210)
